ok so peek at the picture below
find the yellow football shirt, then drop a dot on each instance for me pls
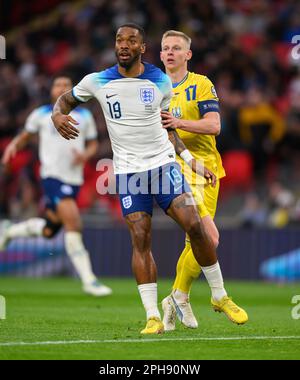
(194, 96)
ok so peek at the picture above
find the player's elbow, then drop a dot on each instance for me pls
(215, 240)
(216, 128)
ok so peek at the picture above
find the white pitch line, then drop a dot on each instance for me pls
(64, 342)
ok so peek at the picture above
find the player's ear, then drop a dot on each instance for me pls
(143, 48)
(189, 55)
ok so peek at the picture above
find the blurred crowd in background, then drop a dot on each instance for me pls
(243, 46)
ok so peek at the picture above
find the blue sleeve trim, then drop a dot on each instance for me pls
(208, 106)
(158, 77)
(45, 109)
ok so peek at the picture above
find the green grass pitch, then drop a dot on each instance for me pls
(41, 312)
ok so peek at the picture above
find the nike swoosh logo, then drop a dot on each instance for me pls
(109, 96)
(178, 311)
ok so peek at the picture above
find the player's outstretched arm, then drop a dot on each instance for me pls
(18, 143)
(209, 124)
(61, 118)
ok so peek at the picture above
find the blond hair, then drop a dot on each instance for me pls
(175, 33)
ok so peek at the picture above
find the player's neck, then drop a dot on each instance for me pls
(178, 75)
(133, 71)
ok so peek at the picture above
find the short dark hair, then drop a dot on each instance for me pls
(134, 26)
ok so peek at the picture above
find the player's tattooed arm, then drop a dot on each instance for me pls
(195, 165)
(61, 118)
(176, 141)
(66, 103)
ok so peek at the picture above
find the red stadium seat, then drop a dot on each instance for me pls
(249, 42)
(3, 144)
(283, 52)
(238, 165)
(22, 159)
(58, 59)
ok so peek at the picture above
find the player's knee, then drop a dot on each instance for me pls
(49, 233)
(73, 225)
(141, 238)
(214, 236)
(51, 229)
(195, 229)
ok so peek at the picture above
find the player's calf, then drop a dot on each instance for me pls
(202, 245)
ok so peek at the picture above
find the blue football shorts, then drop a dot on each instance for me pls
(137, 190)
(56, 190)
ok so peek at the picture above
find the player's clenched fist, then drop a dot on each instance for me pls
(64, 125)
(201, 170)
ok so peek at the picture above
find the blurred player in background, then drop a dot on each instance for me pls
(132, 95)
(62, 175)
(194, 113)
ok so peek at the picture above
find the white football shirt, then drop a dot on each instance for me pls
(131, 108)
(57, 154)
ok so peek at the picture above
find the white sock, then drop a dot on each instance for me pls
(148, 293)
(180, 296)
(29, 228)
(79, 256)
(214, 278)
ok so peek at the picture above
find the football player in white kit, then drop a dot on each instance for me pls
(132, 95)
(62, 174)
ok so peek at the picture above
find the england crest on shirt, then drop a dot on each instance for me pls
(147, 95)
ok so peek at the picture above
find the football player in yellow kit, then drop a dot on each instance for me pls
(194, 113)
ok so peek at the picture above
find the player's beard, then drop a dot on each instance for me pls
(128, 64)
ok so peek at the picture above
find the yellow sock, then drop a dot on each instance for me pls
(187, 270)
(180, 263)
